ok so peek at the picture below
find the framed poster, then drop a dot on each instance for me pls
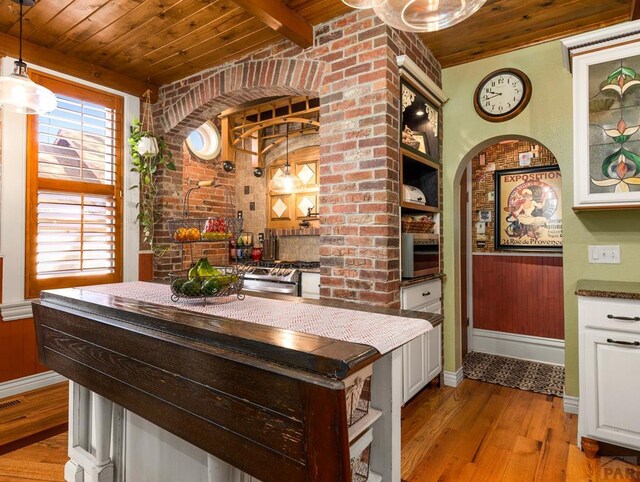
(529, 209)
(607, 128)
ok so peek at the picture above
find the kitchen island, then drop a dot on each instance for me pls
(164, 392)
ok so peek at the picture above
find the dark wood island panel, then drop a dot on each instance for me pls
(268, 401)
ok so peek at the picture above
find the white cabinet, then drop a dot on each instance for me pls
(310, 285)
(422, 357)
(609, 332)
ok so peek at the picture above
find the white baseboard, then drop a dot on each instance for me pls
(571, 404)
(525, 347)
(453, 379)
(33, 382)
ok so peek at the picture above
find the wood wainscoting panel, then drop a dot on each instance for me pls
(145, 266)
(519, 294)
(18, 353)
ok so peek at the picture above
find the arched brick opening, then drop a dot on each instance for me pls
(205, 99)
(236, 85)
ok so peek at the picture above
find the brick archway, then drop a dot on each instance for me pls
(238, 84)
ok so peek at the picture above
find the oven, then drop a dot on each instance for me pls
(279, 277)
(420, 254)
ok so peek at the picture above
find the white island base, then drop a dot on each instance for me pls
(110, 444)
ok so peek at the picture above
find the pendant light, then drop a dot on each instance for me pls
(420, 15)
(20, 94)
(362, 3)
(286, 183)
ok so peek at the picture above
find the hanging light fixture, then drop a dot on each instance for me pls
(420, 15)
(362, 3)
(20, 94)
(286, 183)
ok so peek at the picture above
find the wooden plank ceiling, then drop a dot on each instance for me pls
(155, 41)
(132, 43)
(505, 25)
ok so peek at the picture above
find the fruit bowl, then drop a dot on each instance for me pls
(226, 282)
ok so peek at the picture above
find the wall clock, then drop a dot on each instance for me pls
(502, 95)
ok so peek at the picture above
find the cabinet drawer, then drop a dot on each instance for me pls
(421, 294)
(608, 314)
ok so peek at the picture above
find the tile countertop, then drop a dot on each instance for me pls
(625, 290)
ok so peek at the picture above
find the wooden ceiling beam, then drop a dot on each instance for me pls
(58, 61)
(635, 10)
(280, 18)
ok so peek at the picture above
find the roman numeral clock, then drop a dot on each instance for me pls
(502, 95)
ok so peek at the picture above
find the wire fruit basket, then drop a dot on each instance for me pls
(227, 281)
(203, 281)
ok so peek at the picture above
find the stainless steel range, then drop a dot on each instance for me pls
(275, 276)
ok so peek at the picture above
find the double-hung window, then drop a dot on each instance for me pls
(74, 189)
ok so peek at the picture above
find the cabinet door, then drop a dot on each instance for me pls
(413, 367)
(311, 285)
(434, 353)
(613, 386)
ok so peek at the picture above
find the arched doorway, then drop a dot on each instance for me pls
(510, 290)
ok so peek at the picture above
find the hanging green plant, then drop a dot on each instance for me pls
(150, 154)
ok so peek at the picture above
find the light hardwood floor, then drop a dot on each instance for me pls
(477, 432)
(485, 432)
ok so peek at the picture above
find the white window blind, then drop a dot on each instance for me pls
(76, 234)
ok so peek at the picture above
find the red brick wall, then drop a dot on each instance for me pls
(352, 68)
(203, 203)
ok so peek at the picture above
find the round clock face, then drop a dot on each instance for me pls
(502, 95)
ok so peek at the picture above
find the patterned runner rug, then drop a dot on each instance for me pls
(514, 373)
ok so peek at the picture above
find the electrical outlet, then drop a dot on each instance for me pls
(604, 254)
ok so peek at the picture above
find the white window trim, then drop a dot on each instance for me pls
(13, 200)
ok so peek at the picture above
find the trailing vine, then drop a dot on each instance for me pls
(147, 166)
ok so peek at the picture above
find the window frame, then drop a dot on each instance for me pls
(62, 86)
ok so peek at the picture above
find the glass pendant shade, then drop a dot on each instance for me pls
(362, 3)
(18, 93)
(286, 183)
(425, 15)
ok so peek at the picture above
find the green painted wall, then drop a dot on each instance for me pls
(548, 120)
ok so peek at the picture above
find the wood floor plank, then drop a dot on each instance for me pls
(524, 460)
(492, 465)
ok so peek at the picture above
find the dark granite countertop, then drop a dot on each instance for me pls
(624, 290)
(421, 279)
